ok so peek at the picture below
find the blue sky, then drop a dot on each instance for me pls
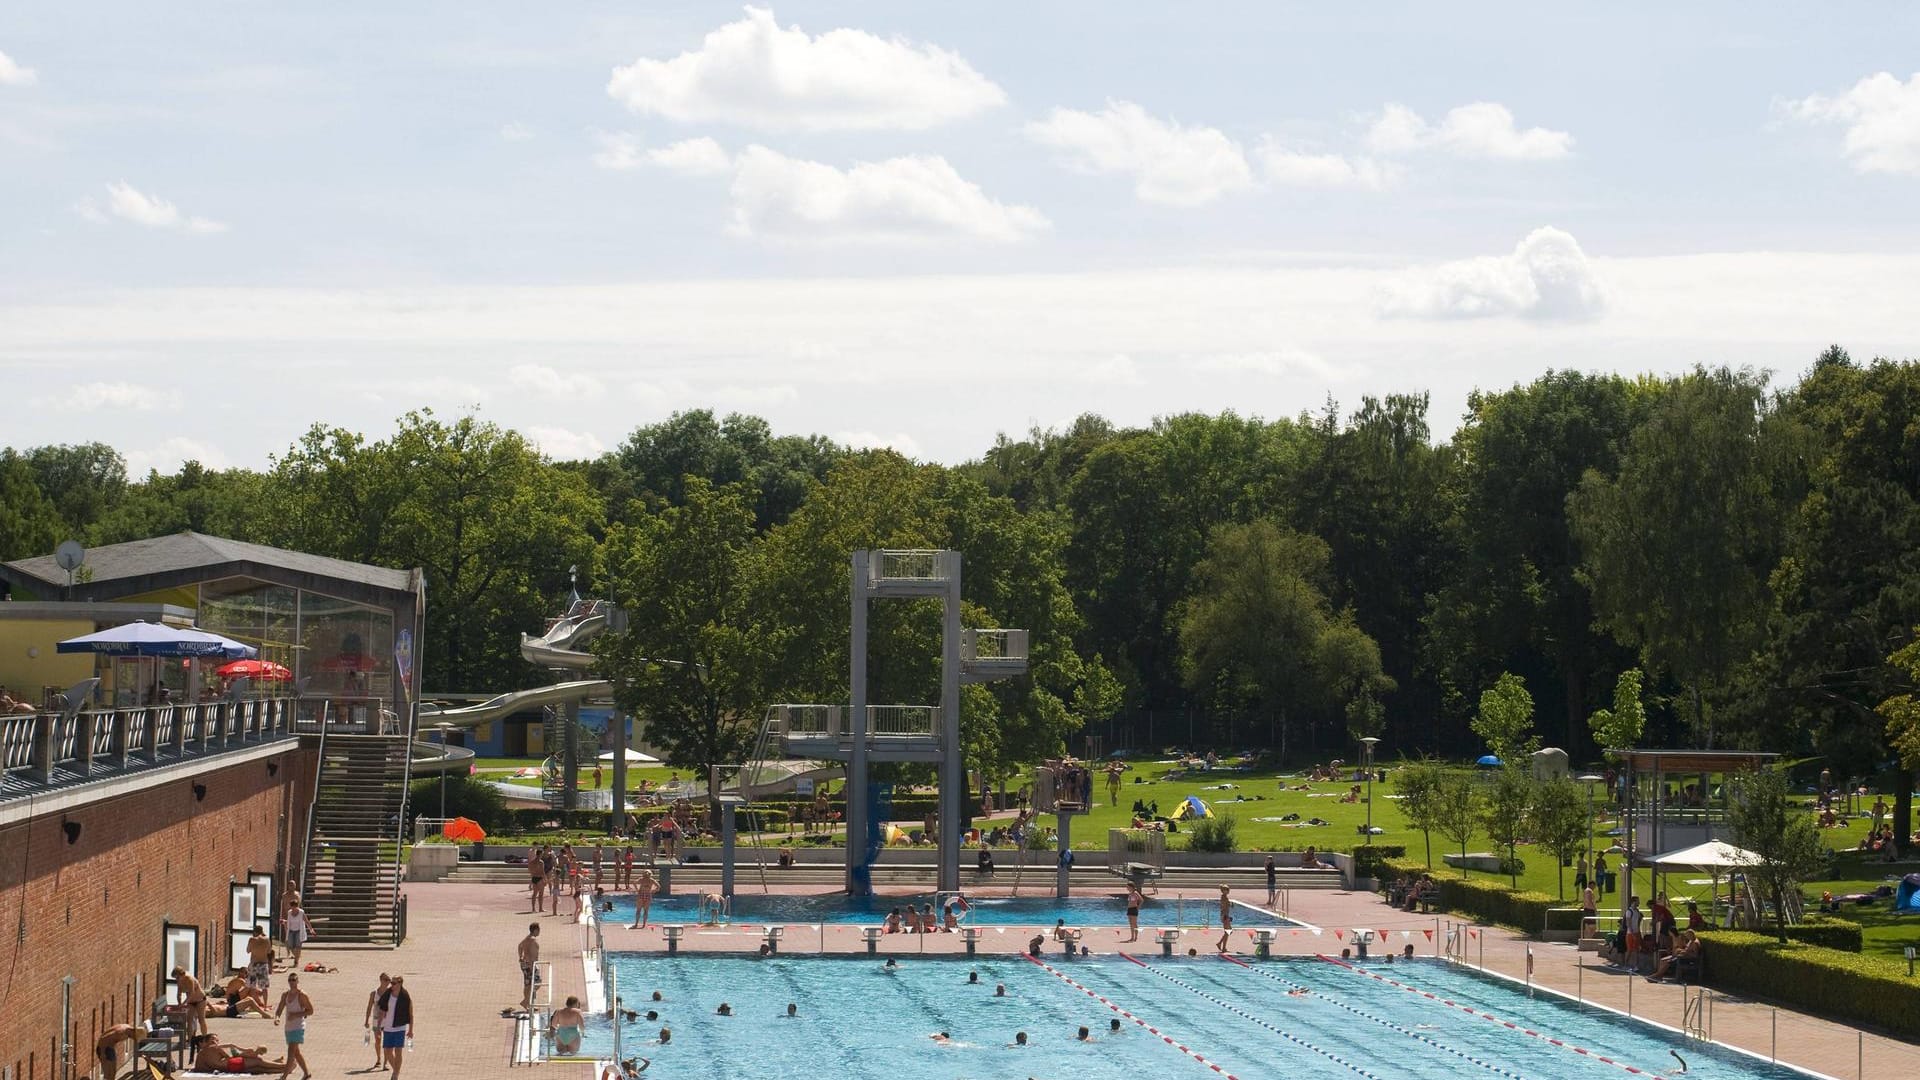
(917, 225)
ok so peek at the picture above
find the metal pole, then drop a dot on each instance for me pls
(856, 785)
(953, 774)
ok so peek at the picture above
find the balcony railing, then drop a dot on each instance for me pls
(42, 749)
(907, 565)
(830, 721)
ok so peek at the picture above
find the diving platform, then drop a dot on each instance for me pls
(823, 732)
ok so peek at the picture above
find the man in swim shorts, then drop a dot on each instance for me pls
(529, 956)
(107, 1047)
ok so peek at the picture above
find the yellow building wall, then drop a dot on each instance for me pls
(28, 660)
(186, 596)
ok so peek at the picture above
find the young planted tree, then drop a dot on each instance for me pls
(1418, 786)
(1560, 822)
(1780, 834)
(1506, 811)
(1456, 808)
(1505, 719)
(1619, 728)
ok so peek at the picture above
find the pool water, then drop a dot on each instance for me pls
(857, 1020)
(1013, 911)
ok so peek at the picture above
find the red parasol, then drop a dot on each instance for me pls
(261, 670)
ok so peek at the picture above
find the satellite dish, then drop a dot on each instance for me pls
(69, 555)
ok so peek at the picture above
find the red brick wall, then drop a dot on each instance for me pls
(94, 909)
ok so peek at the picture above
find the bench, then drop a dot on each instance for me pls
(772, 938)
(673, 931)
(1263, 941)
(970, 935)
(871, 935)
(1167, 937)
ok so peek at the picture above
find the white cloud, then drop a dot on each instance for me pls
(618, 151)
(171, 453)
(548, 382)
(1294, 168)
(129, 204)
(562, 444)
(12, 74)
(1116, 370)
(515, 132)
(693, 157)
(899, 441)
(754, 74)
(1547, 277)
(1882, 117)
(1283, 362)
(1484, 129)
(900, 199)
(119, 396)
(1179, 166)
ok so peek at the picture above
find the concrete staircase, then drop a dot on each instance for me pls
(351, 887)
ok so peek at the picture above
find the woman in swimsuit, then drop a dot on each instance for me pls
(567, 1022)
(1133, 911)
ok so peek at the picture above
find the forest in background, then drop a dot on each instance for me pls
(1289, 583)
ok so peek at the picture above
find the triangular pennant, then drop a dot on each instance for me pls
(1405, 934)
(1339, 935)
(1473, 933)
(1429, 934)
(1316, 931)
(1293, 933)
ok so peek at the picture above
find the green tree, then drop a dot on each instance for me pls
(493, 524)
(1511, 599)
(1677, 547)
(1506, 811)
(692, 661)
(1560, 823)
(231, 502)
(29, 523)
(1847, 587)
(1505, 720)
(1764, 819)
(1257, 619)
(1620, 727)
(1420, 786)
(85, 481)
(1456, 806)
(654, 463)
(1902, 715)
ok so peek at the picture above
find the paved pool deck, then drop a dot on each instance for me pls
(459, 965)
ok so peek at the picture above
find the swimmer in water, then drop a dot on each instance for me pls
(1113, 1025)
(1678, 1058)
(941, 1038)
(1084, 1035)
(1019, 1039)
(792, 1010)
(1297, 992)
(999, 989)
(891, 966)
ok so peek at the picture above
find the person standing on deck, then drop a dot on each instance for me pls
(396, 1023)
(1273, 882)
(529, 954)
(1226, 918)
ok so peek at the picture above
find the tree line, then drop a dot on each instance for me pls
(1752, 553)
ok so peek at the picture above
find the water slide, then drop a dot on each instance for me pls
(507, 704)
(559, 648)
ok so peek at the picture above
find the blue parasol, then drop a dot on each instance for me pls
(1487, 761)
(157, 639)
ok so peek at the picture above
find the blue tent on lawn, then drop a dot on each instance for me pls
(1191, 807)
(1906, 900)
(1487, 761)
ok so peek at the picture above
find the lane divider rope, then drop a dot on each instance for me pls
(1245, 1015)
(1470, 1011)
(1382, 1021)
(1164, 1037)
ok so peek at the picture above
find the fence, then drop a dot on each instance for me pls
(50, 747)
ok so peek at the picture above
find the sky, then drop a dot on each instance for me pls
(918, 225)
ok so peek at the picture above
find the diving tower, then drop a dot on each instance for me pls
(863, 734)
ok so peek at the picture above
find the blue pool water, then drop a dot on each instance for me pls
(1015, 911)
(855, 1020)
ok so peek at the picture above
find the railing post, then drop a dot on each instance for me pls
(223, 715)
(43, 729)
(121, 721)
(150, 737)
(83, 742)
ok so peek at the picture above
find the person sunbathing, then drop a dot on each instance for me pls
(239, 1000)
(211, 1055)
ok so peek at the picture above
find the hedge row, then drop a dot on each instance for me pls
(1521, 909)
(1828, 933)
(1372, 860)
(1845, 985)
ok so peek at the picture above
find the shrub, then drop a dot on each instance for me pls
(1828, 933)
(1492, 901)
(1845, 985)
(1213, 834)
(466, 797)
(1371, 860)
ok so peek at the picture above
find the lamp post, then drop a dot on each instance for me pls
(1368, 744)
(443, 728)
(1590, 779)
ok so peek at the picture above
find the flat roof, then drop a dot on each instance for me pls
(1694, 760)
(184, 558)
(109, 614)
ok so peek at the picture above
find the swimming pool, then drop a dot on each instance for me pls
(1298, 1019)
(1004, 911)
